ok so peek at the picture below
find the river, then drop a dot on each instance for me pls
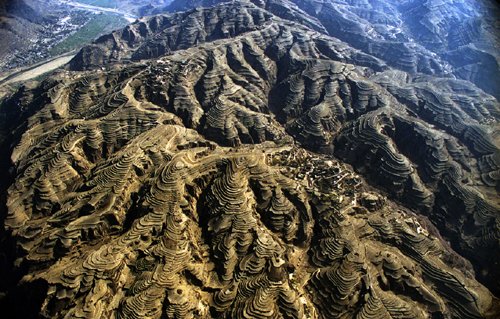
(129, 17)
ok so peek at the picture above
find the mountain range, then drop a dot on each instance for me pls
(261, 159)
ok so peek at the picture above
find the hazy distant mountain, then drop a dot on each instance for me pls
(20, 9)
(19, 22)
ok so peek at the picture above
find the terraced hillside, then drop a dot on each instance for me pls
(264, 159)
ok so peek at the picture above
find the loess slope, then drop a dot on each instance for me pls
(211, 163)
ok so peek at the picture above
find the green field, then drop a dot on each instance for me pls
(98, 25)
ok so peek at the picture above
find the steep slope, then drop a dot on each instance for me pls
(366, 115)
(446, 38)
(132, 214)
(18, 23)
(169, 172)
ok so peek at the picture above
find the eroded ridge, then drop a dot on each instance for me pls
(190, 166)
(207, 231)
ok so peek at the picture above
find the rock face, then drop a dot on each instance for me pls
(191, 165)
